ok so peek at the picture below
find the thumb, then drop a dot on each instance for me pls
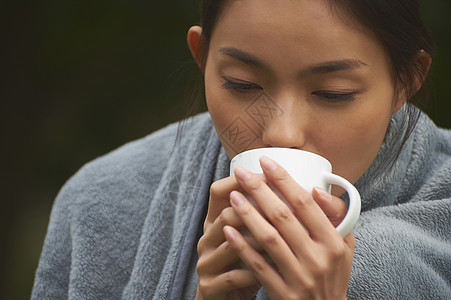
(334, 208)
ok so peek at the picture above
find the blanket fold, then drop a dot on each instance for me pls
(126, 225)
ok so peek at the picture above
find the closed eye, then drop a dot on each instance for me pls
(240, 86)
(332, 96)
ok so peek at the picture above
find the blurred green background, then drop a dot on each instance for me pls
(80, 78)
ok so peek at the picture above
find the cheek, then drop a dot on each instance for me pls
(354, 144)
(235, 129)
(216, 103)
(367, 133)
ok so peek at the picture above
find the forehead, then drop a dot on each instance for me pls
(285, 15)
(289, 29)
(273, 8)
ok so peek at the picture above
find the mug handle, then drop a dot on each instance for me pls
(346, 225)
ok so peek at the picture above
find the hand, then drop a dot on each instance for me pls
(219, 269)
(313, 260)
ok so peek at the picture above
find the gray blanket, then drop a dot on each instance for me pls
(126, 225)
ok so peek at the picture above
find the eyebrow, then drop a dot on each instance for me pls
(243, 57)
(331, 66)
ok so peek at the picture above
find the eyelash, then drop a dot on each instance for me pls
(240, 87)
(328, 96)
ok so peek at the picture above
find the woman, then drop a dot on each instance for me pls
(336, 78)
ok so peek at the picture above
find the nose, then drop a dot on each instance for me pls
(287, 129)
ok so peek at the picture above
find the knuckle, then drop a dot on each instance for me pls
(226, 216)
(254, 184)
(269, 237)
(291, 295)
(202, 284)
(282, 175)
(309, 286)
(215, 189)
(204, 287)
(258, 267)
(321, 264)
(201, 245)
(338, 250)
(206, 226)
(281, 214)
(230, 280)
(302, 200)
(201, 264)
(321, 268)
(245, 210)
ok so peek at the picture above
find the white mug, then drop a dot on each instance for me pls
(309, 170)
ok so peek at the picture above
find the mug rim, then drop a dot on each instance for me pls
(283, 149)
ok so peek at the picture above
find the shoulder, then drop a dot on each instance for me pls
(403, 252)
(428, 135)
(431, 157)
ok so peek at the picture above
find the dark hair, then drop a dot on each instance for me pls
(396, 23)
(399, 27)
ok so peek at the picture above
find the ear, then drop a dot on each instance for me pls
(423, 63)
(193, 38)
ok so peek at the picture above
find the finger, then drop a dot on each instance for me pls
(219, 197)
(214, 236)
(334, 208)
(350, 241)
(253, 260)
(265, 234)
(303, 204)
(222, 259)
(278, 213)
(214, 287)
(236, 279)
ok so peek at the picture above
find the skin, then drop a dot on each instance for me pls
(289, 39)
(330, 90)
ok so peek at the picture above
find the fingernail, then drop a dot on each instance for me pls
(242, 174)
(229, 233)
(323, 194)
(236, 198)
(267, 163)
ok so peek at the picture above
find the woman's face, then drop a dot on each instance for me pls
(293, 74)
